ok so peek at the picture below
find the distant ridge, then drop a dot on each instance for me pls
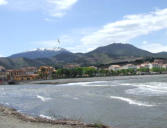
(39, 53)
(112, 53)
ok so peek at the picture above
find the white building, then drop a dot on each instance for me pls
(155, 65)
(129, 66)
(164, 66)
(114, 67)
(145, 65)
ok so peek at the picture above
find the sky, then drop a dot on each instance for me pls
(82, 25)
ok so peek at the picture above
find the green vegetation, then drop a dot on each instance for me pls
(144, 70)
(159, 70)
(75, 72)
(93, 72)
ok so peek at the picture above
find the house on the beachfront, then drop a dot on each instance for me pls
(3, 75)
(30, 70)
(155, 65)
(144, 65)
(45, 72)
(23, 74)
(114, 67)
(164, 66)
(159, 61)
(129, 66)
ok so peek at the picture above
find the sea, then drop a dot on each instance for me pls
(130, 103)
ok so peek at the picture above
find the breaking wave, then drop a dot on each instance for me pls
(132, 102)
(149, 89)
(44, 99)
(46, 117)
(88, 84)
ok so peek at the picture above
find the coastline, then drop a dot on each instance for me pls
(91, 79)
(11, 118)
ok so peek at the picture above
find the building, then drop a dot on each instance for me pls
(129, 66)
(12, 74)
(159, 61)
(155, 65)
(3, 75)
(28, 73)
(26, 77)
(114, 67)
(45, 72)
(30, 70)
(144, 65)
(164, 66)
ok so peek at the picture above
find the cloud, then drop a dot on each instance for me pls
(130, 27)
(153, 47)
(3, 2)
(59, 7)
(54, 8)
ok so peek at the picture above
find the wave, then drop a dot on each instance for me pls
(151, 89)
(46, 117)
(44, 99)
(132, 102)
(87, 84)
(126, 84)
(75, 98)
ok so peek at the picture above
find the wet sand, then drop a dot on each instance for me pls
(10, 118)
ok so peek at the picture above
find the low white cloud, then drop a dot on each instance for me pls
(54, 8)
(59, 7)
(3, 2)
(130, 27)
(153, 47)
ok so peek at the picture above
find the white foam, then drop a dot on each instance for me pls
(149, 89)
(126, 84)
(44, 99)
(7, 104)
(87, 84)
(75, 98)
(46, 117)
(132, 102)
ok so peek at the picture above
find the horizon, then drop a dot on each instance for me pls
(81, 26)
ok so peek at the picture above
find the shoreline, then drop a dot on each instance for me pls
(12, 116)
(91, 79)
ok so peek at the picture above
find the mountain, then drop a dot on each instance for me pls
(114, 53)
(162, 54)
(120, 50)
(39, 53)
